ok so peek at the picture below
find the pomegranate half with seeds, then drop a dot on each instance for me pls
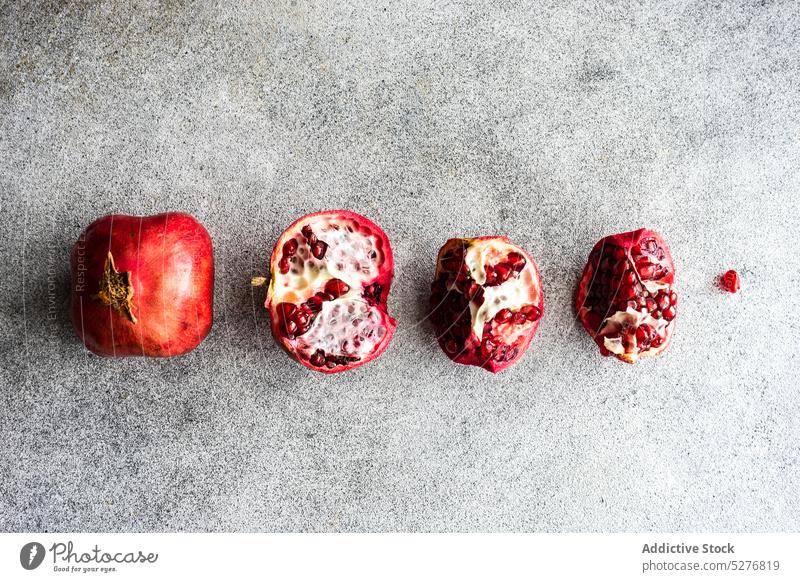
(330, 278)
(486, 301)
(626, 299)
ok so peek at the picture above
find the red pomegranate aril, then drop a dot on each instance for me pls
(730, 281)
(284, 265)
(669, 313)
(487, 348)
(314, 303)
(336, 288)
(516, 260)
(662, 300)
(673, 298)
(531, 312)
(503, 315)
(290, 248)
(502, 273)
(317, 358)
(318, 249)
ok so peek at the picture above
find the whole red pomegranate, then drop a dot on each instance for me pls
(486, 301)
(330, 278)
(626, 300)
(142, 286)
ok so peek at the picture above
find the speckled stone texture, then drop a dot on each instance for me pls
(554, 123)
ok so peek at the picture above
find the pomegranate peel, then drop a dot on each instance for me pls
(486, 301)
(330, 277)
(626, 299)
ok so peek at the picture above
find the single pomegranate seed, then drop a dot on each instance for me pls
(336, 288)
(284, 265)
(669, 313)
(503, 316)
(673, 298)
(306, 230)
(318, 249)
(662, 300)
(512, 353)
(516, 260)
(730, 281)
(531, 312)
(302, 319)
(314, 303)
(643, 334)
(317, 358)
(518, 318)
(502, 273)
(646, 270)
(650, 304)
(290, 327)
(487, 348)
(290, 248)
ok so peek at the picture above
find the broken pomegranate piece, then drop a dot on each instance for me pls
(730, 281)
(626, 299)
(486, 301)
(331, 273)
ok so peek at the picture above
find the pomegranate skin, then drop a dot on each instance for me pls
(463, 323)
(348, 287)
(167, 260)
(626, 300)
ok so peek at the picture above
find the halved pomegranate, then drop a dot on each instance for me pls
(330, 278)
(486, 301)
(626, 300)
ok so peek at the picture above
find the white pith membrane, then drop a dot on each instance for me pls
(513, 294)
(617, 323)
(348, 325)
(344, 327)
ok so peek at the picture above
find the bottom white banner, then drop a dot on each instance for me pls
(354, 557)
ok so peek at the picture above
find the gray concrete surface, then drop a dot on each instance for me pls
(554, 123)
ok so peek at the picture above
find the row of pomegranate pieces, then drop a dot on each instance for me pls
(144, 287)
